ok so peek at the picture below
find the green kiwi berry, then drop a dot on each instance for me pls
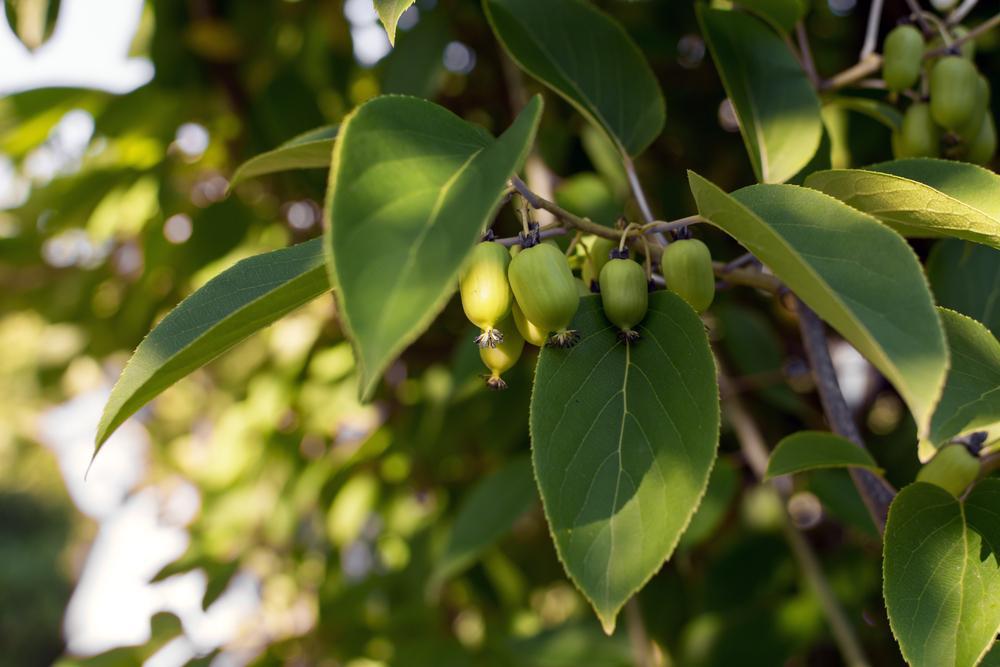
(953, 468)
(545, 290)
(687, 269)
(624, 294)
(918, 136)
(954, 88)
(502, 357)
(485, 292)
(902, 58)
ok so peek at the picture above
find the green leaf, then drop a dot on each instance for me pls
(623, 441)
(971, 398)
(589, 59)
(782, 14)
(412, 187)
(877, 110)
(966, 277)
(722, 487)
(243, 299)
(390, 11)
(943, 602)
(810, 450)
(588, 195)
(487, 514)
(857, 274)
(966, 206)
(311, 150)
(981, 514)
(777, 108)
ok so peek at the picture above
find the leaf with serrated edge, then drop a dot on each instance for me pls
(624, 437)
(857, 274)
(588, 58)
(311, 150)
(971, 397)
(389, 12)
(776, 105)
(811, 450)
(943, 601)
(412, 187)
(967, 207)
(241, 300)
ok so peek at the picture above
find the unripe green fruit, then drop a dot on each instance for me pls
(502, 358)
(953, 92)
(918, 136)
(486, 295)
(982, 104)
(953, 468)
(598, 253)
(943, 5)
(902, 58)
(982, 148)
(531, 333)
(624, 295)
(545, 290)
(687, 269)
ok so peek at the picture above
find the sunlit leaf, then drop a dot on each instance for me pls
(943, 601)
(390, 11)
(238, 302)
(810, 450)
(412, 187)
(776, 105)
(857, 274)
(623, 440)
(589, 59)
(312, 150)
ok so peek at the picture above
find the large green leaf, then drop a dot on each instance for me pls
(623, 441)
(966, 277)
(982, 515)
(390, 11)
(487, 514)
(971, 398)
(588, 58)
(782, 14)
(412, 186)
(943, 601)
(810, 450)
(857, 274)
(922, 197)
(241, 300)
(311, 150)
(777, 108)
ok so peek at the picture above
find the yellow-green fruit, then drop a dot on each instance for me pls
(918, 136)
(624, 295)
(981, 149)
(902, 57)
(971, 129)
(502, 358)
(687, 269)
(598, 253)
(953, 468)
(953, 92)
(545, 290)
(531, 333)
(486, 295)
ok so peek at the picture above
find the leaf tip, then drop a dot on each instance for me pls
(608, 623)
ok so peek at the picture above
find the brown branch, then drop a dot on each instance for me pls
(980, 29)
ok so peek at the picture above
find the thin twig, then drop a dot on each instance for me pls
(876, 493)
(918, 14)
(980, 29)
(638, 637)
(871, 31)
(544, 234)
(637, 191)
(961, 11)
(854, 73)
(755, 452)
(807, 57)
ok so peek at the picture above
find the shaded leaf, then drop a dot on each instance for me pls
(877, 110)
(857, 274)
(589, 59)
(943, 602)
(776, 105)
(412, 187)
(722, 487)
(902, 194)
(312, 150)
(389, 12)
(488, 513)
(623, 440)
(966, 277)
(238, 302)
(782, 14)
(982, 512)
(809, 450)
(971, 398)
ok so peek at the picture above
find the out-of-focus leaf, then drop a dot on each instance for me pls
(623, 440)
(783, 14)
(875, 109)
(905, 195)
(312, 150)
(412, 187)
(809, 450)
(856, 273)
(966, 277)
(244, 299)
(981, 514)
(589, 196)
(776, 105)
(589, 59)
(415, 66)
(943, 601)
(722, 487)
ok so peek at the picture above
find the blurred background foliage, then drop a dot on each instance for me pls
(332, 517)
